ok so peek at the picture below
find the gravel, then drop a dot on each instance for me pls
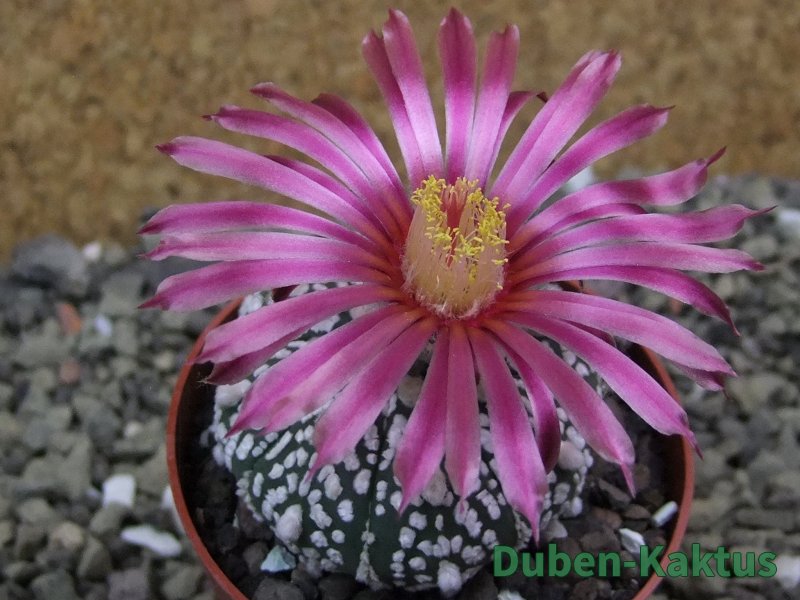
(85, 381)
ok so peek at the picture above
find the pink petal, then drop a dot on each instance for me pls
(462, 435)
(401, 50)
(292, 389)
(375, 196)
(219, 282)
(235, 370)
(556, 122)
(348, 115)
(498, 74)
(239, 214)
(422, 446)
(632, 323)
(648, 254)
(640, 391)
(377, 60)
(458, 55)
(217, 158)
(710, 225)
(351, 413)
(590, 415)
(543, 410)
(664, 189)
(519, 465)
(614, 134)
(246, 245)
(667, 281)
(268, 324)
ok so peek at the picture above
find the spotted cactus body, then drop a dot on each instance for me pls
(345, 519)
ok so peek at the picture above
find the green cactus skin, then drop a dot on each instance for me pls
(344, 519)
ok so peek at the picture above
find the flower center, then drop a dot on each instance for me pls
(455, 250)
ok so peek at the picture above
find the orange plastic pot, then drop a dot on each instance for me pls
(184, 427)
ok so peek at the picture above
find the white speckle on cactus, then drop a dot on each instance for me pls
(230, 395)
(417, 563)
(290, 524)
(380, 510)
(319, 540)
(368, 538)
(575, 507)
(291, 482)
(406, 537)
(492, 484)
(266, 510)
(277, 495)
(351, 462)
(302, 457)
(290, 460)
(560, 493)
(333, 487)
(371, 440)
(489, 538)
(448, 578)
(456, 543)
(488, 448)
(308, 432)
(472, 555)
(345, 510)
(426, 547)
(582, 370)
(398, 556)
(276, 472)
(443, 544)
(372, 458)
(218, 454)
(469, 519)
(395, 499)
(417, 520)
(408, 390)
(323, 473)
(570, 457)
(279, 446)
(303, 487)
(263, 368)
(314, 496)
(257, 451)
(380, 490)
(361, 482)
(258, 481)
(439, 522)
(337, 535)
(576, 438)
(245, 446)
(320, 517)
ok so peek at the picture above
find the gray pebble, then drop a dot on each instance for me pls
(52, 261)
(57, 585)
(277, 589)
(130, 584)
(95, 561)
(182, 584)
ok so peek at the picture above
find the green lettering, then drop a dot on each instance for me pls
(767, 564)
(701, 562)
(648, 561)
(497, 555)
(678, 565)
(554, 557)
(603, 559)
(583, 565)
(538, 565)
(746, 568)
(721, 556)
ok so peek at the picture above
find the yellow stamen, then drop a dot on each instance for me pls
(455, 250)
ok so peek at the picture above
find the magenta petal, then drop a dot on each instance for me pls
(268, 324)
(543, 410)
(352, 412)
(218, 158)
(217, 283)
(590, 415)
(458, 55)
(246, 245)
(290, 390)
(519, 465)
(686, 257)
(462, 436)
(401, 50)
(609, 136)
(556, 122)
(422, 446)
(237, 369)
(377, 60)
(498, 74)
(376, 194)
(640, 391)
(240, 214)
(635, 324)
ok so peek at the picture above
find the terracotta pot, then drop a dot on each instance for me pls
(184, 425)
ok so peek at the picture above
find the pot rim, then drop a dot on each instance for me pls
(647, 359)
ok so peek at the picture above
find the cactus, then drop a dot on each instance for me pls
(344, 519)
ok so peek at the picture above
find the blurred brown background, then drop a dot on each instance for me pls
(87, 87)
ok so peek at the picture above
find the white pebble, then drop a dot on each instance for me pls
(102, 325)
(509, 595)
(278, 560)
(788, 574)
(92, 251)
(664, 514)
(632, 540)
(119, 489)
(788, 222)
(160, 542)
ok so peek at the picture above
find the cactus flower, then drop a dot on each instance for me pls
(459, 253)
